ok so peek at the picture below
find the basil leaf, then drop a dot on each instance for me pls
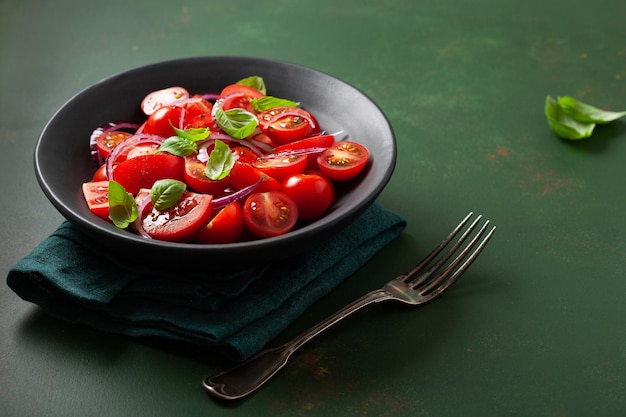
(563, 124)
(269, 102)
(193, 134)
(166, 193)
(122, 207)
(255, 82)
(220, 161)
(586, 113)
(179, 146)
(238, 123)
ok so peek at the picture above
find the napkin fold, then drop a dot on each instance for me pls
(235, 313)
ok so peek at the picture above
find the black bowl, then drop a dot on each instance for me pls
(63, 162)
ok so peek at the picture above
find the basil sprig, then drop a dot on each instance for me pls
(220, 162)
(122, 206)
(166, 193)
(255, 82)
(269, 102)
(236, 122)
(572, 119)
(185, 141)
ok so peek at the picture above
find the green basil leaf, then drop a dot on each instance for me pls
(220, 162)
(179, 146)
(238, 123)
(563, 124)
(193, 134)
(166, 193)
(269, 102)
(255, 82)
(122, 207)
(586, 113)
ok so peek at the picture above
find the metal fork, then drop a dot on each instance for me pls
(425, 282)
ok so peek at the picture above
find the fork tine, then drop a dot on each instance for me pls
(436, 251)
(453, 271)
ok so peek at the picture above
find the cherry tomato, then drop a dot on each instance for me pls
(312, 193)
(160, 122)
(281, 167)
(243, 175)
(271, 213)
(244, 154)
(106, 142)
(100, 174)
(143, 149)
(143, 171)
(343, 161)
(319, 141)
(197, 181)
(264, 139)
(96, 195)
(239, 96)
(225, 227)
(198, 114)
(160, 98)
(296, 124)
(182, 222)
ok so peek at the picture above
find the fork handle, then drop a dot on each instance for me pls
(248, 376)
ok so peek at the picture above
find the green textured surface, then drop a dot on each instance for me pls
(536, 326)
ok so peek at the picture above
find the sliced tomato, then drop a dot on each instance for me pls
(226, 227)
(265, 140)
(312, 193)
(182, 222)
(271, 213)
(287, 124)
(243, 175)
(96, 195)
(343, 161)
(281, 167)
(143, 149)
(239, 96)
(160, 98)
(143, 171)
(197, 181)
(161, 121)
(107, 141)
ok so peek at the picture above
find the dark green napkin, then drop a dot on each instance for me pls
(237, 313)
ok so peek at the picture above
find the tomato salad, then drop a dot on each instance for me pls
(219, 168)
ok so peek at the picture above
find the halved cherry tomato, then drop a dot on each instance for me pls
(106, 142)
(243, 175)
(197, 181)
(281, 167)
(271, 213)
(161, 121)
(182, 222)
(100, 174)
(312, 193)
(143, 171)
(264, 139)
(143, 149)
(239, 96)
(343, 161)
(160, 98)
(296, 124)
(225, 227)
(96, 195)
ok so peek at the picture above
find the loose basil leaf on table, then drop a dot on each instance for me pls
(586, 113)
(565, 125)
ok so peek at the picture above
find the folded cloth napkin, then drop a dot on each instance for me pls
(235, 313)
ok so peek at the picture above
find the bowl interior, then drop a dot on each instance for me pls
(63, 161)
